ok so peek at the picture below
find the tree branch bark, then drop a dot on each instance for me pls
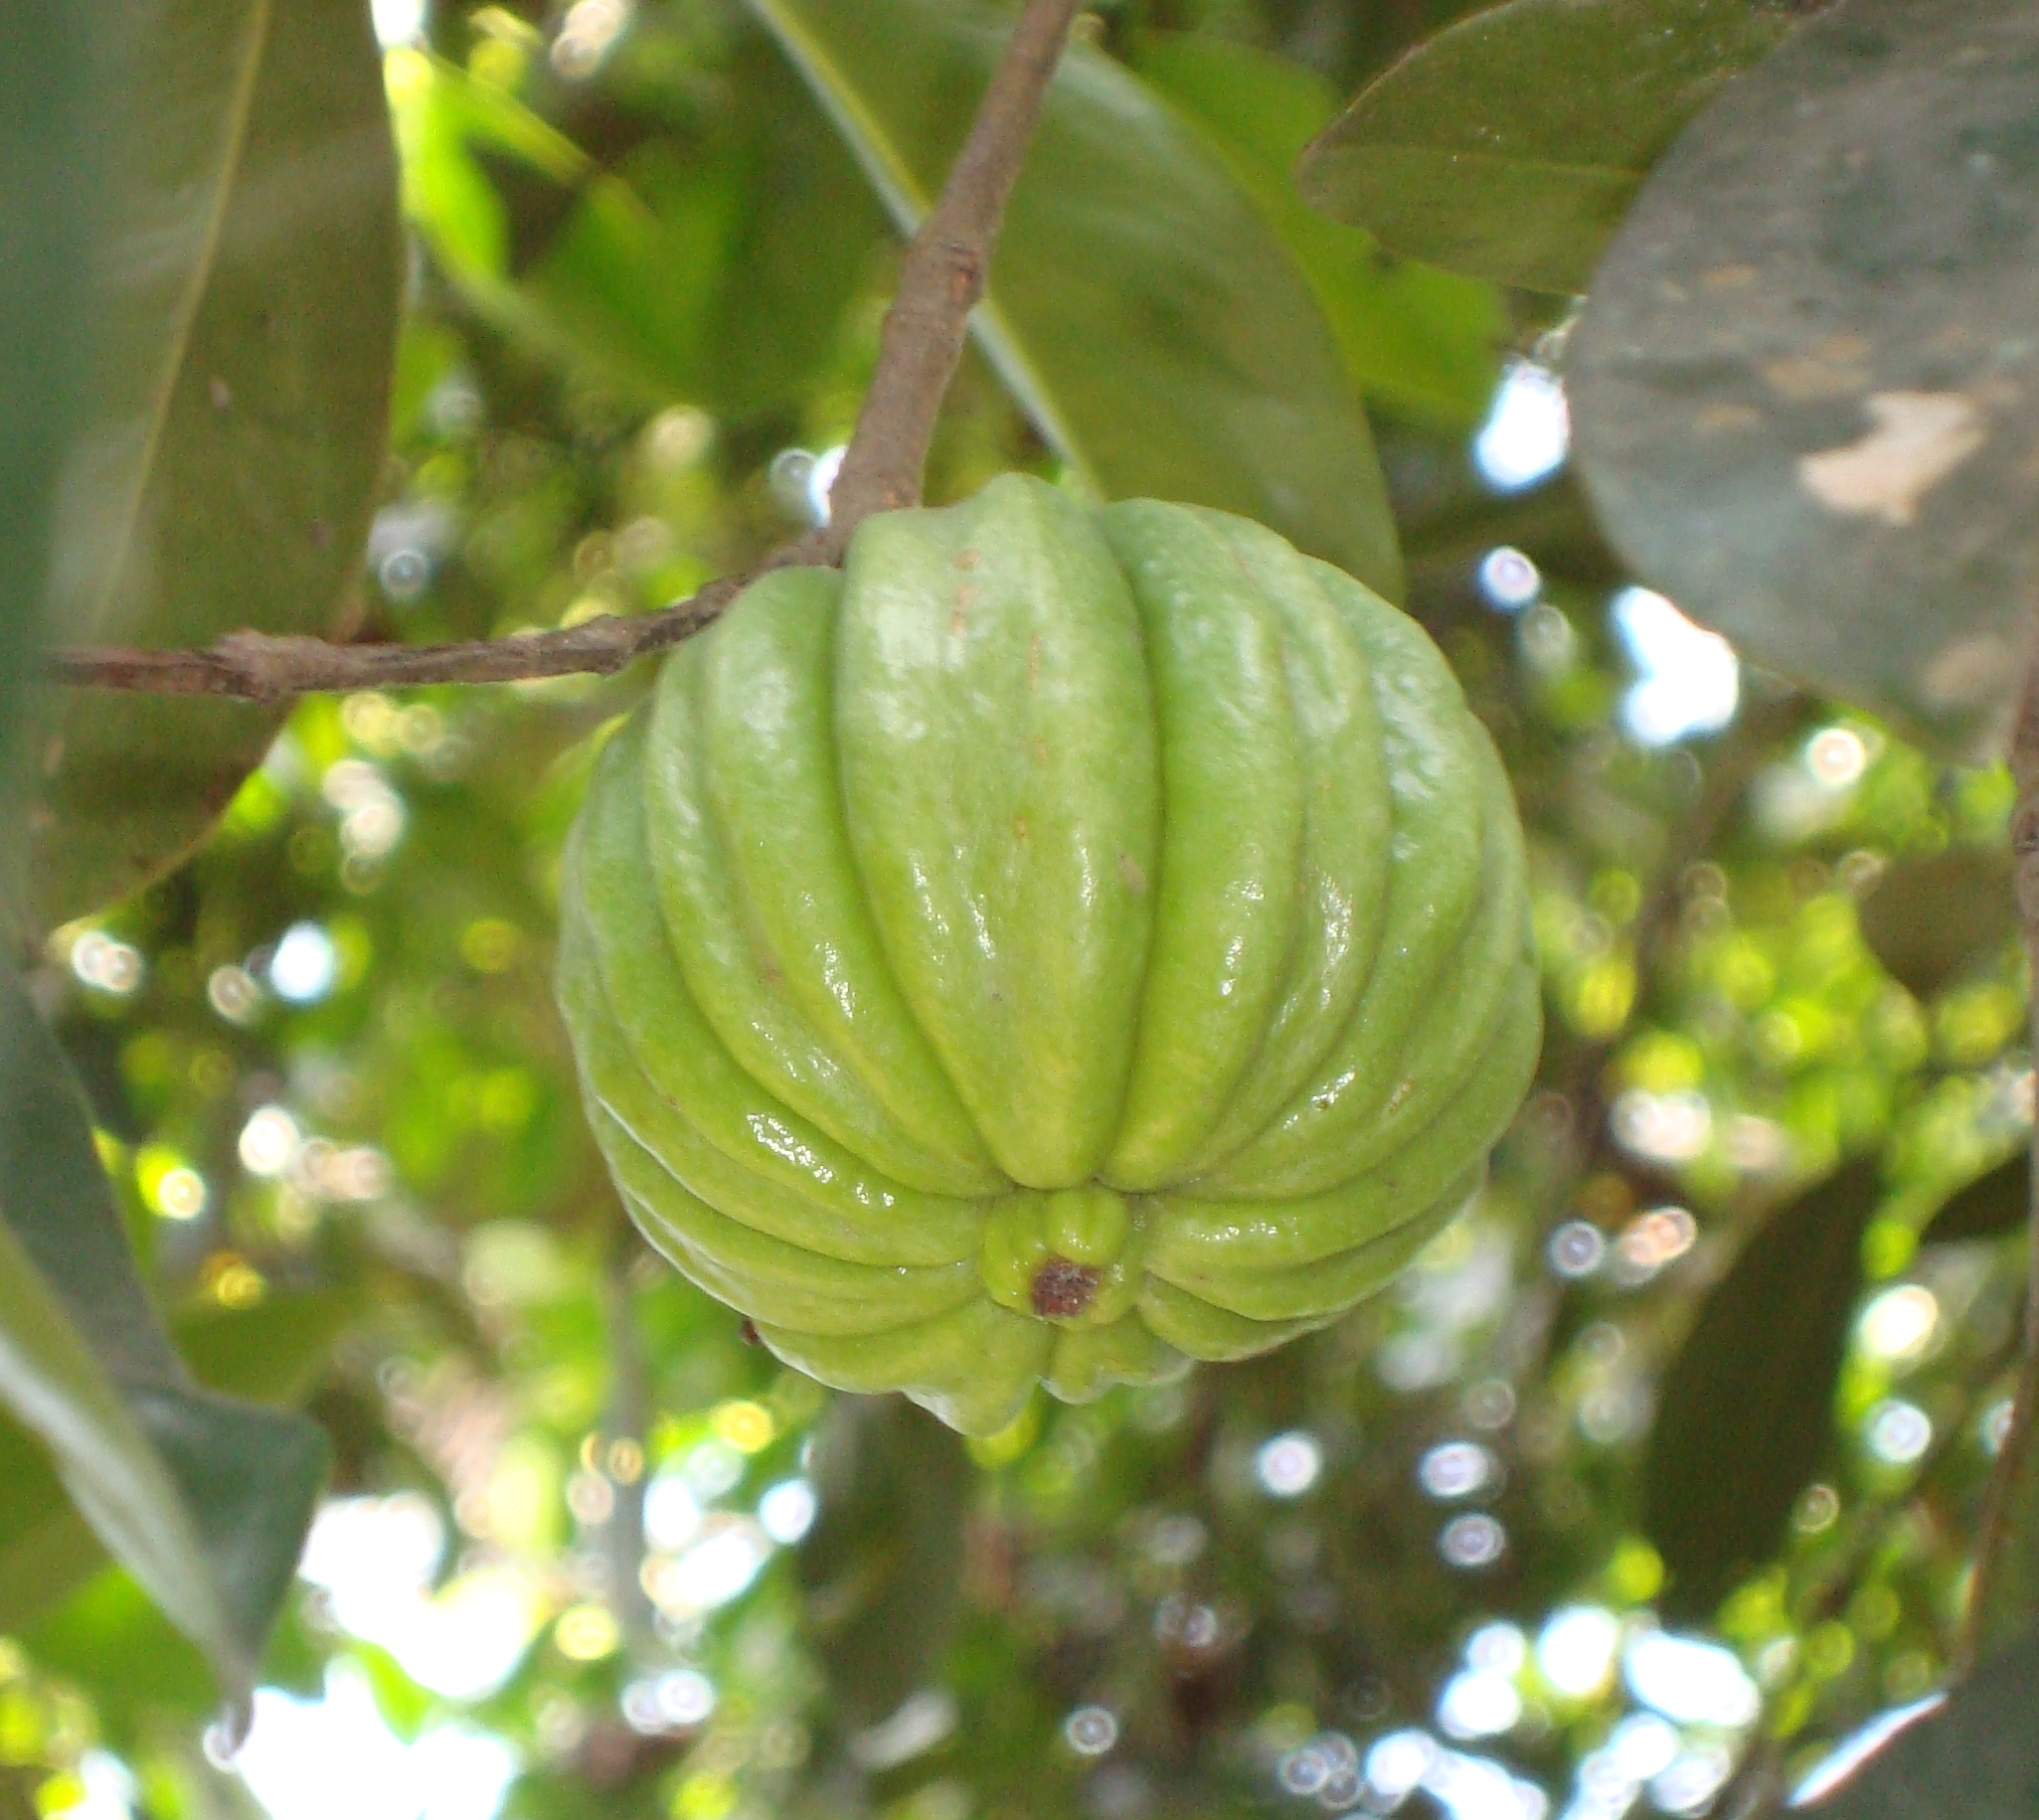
(940, 281)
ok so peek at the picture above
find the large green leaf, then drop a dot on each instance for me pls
(713, 266)
(245, 301)
(1975, 1759)
(1421, 340)
(1996, 1203)
(1510, 145)
(45, 140)
(1746, 1414)
(203, 1498)
(1140, 307)
(1927, 920)
(881, 1568)
(271, 1353)
(53, 1386)
(1801, 385)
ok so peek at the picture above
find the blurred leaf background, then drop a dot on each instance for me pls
(588, 1551)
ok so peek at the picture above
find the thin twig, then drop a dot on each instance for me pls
(941, 282)
(2010, 1482)
(943, 277)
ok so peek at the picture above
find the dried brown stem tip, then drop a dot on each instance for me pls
(940, 281)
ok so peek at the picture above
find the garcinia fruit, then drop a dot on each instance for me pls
(1061, 945)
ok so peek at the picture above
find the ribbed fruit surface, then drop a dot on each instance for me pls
(1059, 945)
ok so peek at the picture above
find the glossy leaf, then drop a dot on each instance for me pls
(246, 289)
(1746, 1414)
(1139, 307)
(1416, 340)
(713, 267)
(205, 1498)
(883, 1565)
(1801, 386)
(1927, 919)
(1975, 1759)
(1510, 145)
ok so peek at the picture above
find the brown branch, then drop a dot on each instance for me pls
(2004, 1586)
(941, 282)
(943, 279)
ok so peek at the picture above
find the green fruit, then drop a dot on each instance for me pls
(1057, 946)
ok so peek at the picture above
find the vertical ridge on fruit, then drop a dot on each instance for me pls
(1064, 945)
(1225, 901)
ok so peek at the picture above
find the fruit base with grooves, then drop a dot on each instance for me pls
(1059, 945)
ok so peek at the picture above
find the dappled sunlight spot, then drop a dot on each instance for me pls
(108, 965)
(1528, 429)
(1508, 579)
(787, 1511)
(336, 1759)
(746, 1427)
(306, 964)
(1690, 1681)
(1662, 1127)
(1475, 1539)
(1457, 1469)
(1478, 1788)
(1478, 1704)
(268, 1142)
(376, 1557)
(1899, 1325)
(1287, 1465)
(1898, 1432)
(1836, 756)
(716, 1570)
(1690, 680)
(398, 22)
(586, 1633)
(1576, 1651)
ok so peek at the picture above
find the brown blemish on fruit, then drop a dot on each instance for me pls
(1129, 871)
(1019, 826)
(968, 559)
(1062, 1287)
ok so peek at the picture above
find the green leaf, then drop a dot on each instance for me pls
(768, 219)
(45, 139)
(1800, 388)
(882, 1567)
(1927, 919)
(1746, 1414)
(1975, 1759)
(271, 1353)
(203, 1498)
(1510, 145)
(245, 292)
(1139, 306)
(1994, 1205)
(52, 1385)
(1417, 340)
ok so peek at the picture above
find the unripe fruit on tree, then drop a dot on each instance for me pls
(1061, 945)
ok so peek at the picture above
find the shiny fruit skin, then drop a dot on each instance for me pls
(1059, 945)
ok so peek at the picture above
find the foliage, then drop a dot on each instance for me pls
(570, 1554)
